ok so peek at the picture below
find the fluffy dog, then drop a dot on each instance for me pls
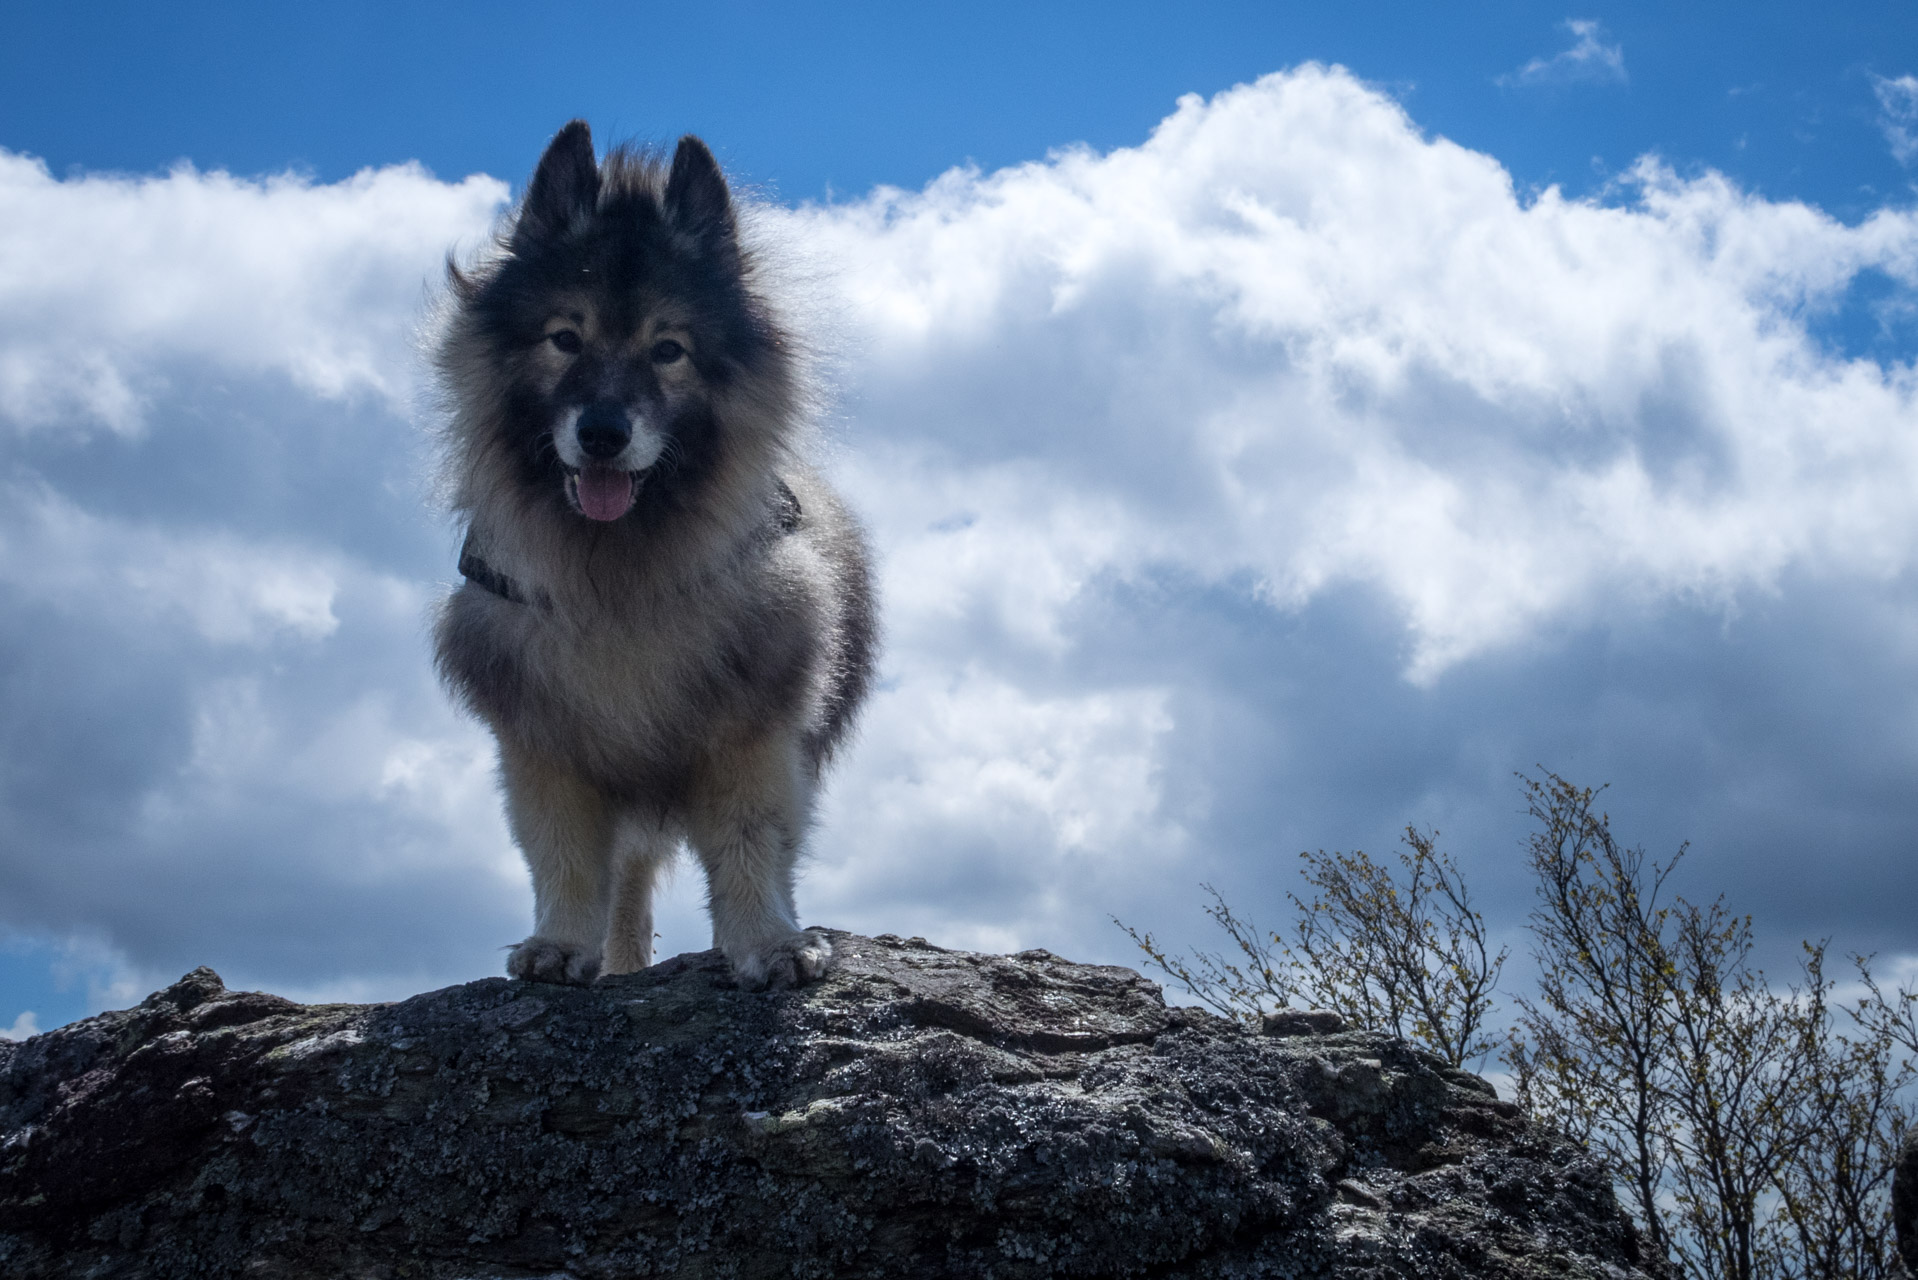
(667, 617)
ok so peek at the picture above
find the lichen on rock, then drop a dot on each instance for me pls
(919, 1113)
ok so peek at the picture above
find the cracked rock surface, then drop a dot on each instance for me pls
(918, 1113)
(1904, 1202)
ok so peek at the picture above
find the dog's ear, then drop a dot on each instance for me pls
(565, 185)
(697, 201)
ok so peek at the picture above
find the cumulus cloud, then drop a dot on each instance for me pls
(221, 732)
(1293, 374)
(1898, 114)
(1244, 349)
(1279, 480)
(984, 813)
(54, 553)
(107, 280)
(1589, 61)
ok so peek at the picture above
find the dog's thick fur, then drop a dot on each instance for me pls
(668, 621)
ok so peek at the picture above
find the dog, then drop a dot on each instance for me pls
(667, 618)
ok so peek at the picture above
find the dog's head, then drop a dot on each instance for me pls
(616, 328)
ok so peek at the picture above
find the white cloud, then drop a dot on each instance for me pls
(223, 738)
(969, 789)
(1898, 114)
(227, 590)
(1590, 60)
(27, 1024)
(106, 281)
(1291, 337)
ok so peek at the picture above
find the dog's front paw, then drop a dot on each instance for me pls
(545, 960)
(788, 962)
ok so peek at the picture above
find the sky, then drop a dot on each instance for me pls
(1276, 425)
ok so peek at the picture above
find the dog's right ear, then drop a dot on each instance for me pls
(564, 187)
(697, 201)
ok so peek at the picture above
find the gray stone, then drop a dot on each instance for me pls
(1302, 1022)
(919, 1113)
(1904, 1202)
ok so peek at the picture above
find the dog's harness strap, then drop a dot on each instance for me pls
(480, 573)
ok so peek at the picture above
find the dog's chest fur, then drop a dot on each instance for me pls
(640, 682)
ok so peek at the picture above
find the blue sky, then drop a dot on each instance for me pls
(1253, 471)
(809, 97)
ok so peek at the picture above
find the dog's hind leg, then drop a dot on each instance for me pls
(564, 827)
(642, 847)
(746, 823)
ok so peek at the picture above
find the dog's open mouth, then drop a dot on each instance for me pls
(601, 493)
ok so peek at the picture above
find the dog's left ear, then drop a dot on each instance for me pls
(697, 201)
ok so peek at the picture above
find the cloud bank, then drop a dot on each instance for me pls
(1280, 480)
(1290, 338)
(106, 282)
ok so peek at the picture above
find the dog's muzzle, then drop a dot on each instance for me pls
(603, 486)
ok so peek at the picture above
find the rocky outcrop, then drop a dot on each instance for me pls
(1904, 1202)
(920, 1113)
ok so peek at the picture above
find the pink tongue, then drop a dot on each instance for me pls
(605, 493)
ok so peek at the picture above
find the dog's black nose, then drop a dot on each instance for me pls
(604, 429)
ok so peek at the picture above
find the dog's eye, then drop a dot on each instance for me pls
(566, 340)
(666, 351)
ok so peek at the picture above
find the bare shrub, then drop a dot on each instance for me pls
(1752, 1128)
(1404, 952)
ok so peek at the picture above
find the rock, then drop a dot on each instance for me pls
(919, 1113)
(1301, 1022)
(1904, 1202)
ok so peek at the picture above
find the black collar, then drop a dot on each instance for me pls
(785, 517)
(480, 573)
